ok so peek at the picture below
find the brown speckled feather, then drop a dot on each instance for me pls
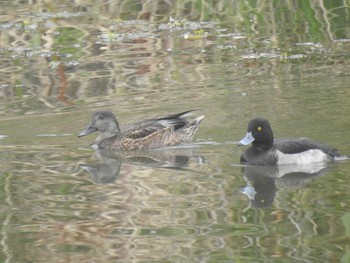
(157, 139)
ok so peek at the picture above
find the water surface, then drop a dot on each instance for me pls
(63, 201)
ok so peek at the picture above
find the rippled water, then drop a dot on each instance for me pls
(61, 200)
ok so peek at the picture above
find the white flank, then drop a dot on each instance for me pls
(310, 156)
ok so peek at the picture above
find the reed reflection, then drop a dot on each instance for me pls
(110, 162)
(262, 180)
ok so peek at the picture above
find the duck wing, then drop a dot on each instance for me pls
(292, 146)
(143, 131)
(157, 139)
(144, 128)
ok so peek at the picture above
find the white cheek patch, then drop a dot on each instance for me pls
(310, 156)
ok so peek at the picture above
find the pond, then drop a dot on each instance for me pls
(287, 61)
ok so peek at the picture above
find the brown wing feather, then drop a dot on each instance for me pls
(140, 132)
(157, 139)
(146, 127)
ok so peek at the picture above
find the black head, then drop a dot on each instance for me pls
(102, 121)
(259, 133)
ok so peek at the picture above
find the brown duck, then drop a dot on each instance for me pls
(148, 134)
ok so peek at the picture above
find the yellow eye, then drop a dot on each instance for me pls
(259, 128)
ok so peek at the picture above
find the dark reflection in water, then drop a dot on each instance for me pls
(262, 180)
(108, 169)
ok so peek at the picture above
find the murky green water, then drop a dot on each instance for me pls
(60, 200)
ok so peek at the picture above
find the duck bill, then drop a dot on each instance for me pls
(248, 139)
(87, 131)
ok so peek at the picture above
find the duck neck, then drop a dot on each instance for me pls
(112, 131)
(262, 147)
(265, 145)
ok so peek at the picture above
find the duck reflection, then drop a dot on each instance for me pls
(262, 180)
(110, 162)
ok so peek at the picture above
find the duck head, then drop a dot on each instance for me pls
(103, 121)
(259, 133)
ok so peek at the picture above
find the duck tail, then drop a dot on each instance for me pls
(341, 158)
(181, 115)
(192, 127)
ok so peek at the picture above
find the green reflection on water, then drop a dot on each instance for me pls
(67, 38)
